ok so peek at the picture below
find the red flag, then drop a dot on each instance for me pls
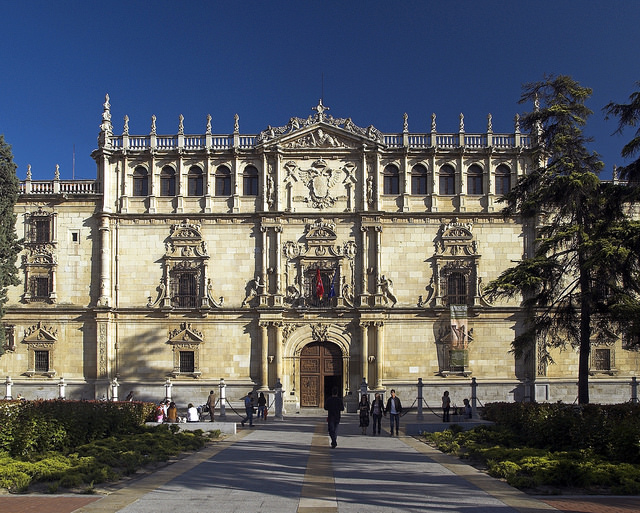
(319, 285)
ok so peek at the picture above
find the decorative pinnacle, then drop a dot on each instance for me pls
(320, 109)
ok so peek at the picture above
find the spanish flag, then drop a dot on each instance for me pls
(319, 285)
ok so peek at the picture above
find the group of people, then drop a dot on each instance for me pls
(334, 406)
(377, 409)
(167, 411)
(250, 403)
(467, 411)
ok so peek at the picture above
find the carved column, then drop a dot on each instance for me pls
(264, 355)
(364, 337)
(105, 261)
(278, 299)
(365, 181)
(378, 300)
(278, 327)
(263, 272)
(379, 353)
(364, 292)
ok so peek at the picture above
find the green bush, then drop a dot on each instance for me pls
(591, 447)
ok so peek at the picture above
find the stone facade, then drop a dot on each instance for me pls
(196, 258)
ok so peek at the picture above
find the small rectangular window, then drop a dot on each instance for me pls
(187, 361)
(41, 361)
(75, 237)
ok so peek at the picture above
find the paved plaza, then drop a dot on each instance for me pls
(288, 467)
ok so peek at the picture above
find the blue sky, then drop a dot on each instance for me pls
(266, 61)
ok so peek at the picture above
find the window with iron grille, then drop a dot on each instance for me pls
(41, 360)
(456, 289)
(187, 361)
(602, 359)
(185, 289)
(41, 229)
(40, 287)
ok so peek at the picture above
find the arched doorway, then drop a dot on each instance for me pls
(320, 371)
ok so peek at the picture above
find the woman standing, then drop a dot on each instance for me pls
(364, 407)
(446, 406)
(377, 409)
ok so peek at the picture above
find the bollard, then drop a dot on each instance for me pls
(278, 400)
(474, 397)
(420, 385)
(7, 389)
(61, 388)
(634, 390)
(168, 387)
(223, 398)
(114, 389)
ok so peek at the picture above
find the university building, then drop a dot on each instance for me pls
(315, 254)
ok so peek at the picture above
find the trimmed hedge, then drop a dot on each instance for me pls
(610, 431)
(32, 427)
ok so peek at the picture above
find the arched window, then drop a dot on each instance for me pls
(456, 289)
(140, 182)
(167, 181)
(250, 181)
(223, 181)
(419, 180)
(474, 180)
(447, 180)
(503, 180)
(391, 177)
(194, 181)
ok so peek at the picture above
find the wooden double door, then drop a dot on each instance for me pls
(320, 371)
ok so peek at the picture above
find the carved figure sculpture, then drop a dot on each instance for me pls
(254, 288)
(386, 286)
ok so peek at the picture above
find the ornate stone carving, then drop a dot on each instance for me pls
(186, 333)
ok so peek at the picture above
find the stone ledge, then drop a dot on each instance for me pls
(228, 428)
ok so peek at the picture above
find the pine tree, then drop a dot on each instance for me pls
(10, 246)
(628, 115)
(566, 283)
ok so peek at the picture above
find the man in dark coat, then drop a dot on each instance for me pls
(394, 409)
(334, 407)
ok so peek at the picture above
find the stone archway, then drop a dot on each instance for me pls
(320, 370)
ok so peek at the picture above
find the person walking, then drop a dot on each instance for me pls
(377, 409)
(394, 409)
(262, 407)
(446, 406)
(334, 407)
(248, 408)
(364, 408)
(211, 404)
